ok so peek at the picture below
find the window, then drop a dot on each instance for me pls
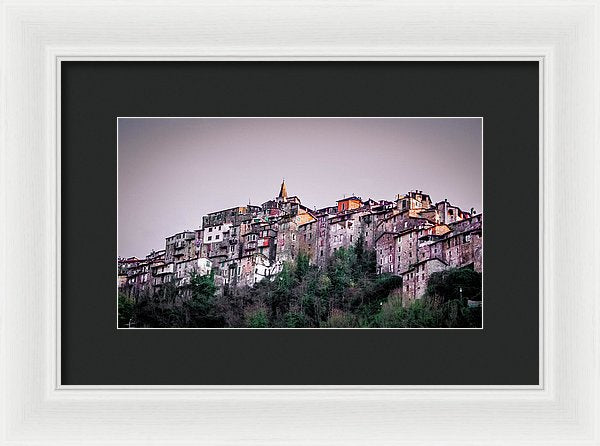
(217, 237)
(391, 268)
(350, 239)
(390, 258)
(209, 238)
(210, 229)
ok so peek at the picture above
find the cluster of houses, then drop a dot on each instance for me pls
(412, 236)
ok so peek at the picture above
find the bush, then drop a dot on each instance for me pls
(340, 319)
(295, 319)
(392, 314)
(257, 318)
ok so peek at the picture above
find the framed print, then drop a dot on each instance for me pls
(407, 262)
(302, 223)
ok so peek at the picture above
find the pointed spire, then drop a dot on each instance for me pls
(283, 191)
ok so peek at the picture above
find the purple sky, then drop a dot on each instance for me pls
(173, 171)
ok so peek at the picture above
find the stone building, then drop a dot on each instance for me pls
(412, 238)
(414, 280)
(181, 246)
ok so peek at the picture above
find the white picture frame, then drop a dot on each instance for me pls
(561, 35)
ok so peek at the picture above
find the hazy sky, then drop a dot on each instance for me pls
(174, 171)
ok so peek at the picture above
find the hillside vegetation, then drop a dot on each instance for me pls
(346, 293)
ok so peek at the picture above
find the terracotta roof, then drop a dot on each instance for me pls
(353, 197)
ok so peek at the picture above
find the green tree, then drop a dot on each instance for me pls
(455, 283)
(279, 298)
(200, 308)
(295, 319)
(302, 265)
(126, 307)
(257, 318)
(366, 259)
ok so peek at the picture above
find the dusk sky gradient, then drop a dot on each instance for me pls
(172, 171)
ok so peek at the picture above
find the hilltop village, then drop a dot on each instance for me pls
(412, 237)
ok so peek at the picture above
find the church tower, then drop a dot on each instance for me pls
(282, 192)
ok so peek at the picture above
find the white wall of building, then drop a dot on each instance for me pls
(214, 234)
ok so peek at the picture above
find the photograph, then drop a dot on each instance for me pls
(300, 222)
